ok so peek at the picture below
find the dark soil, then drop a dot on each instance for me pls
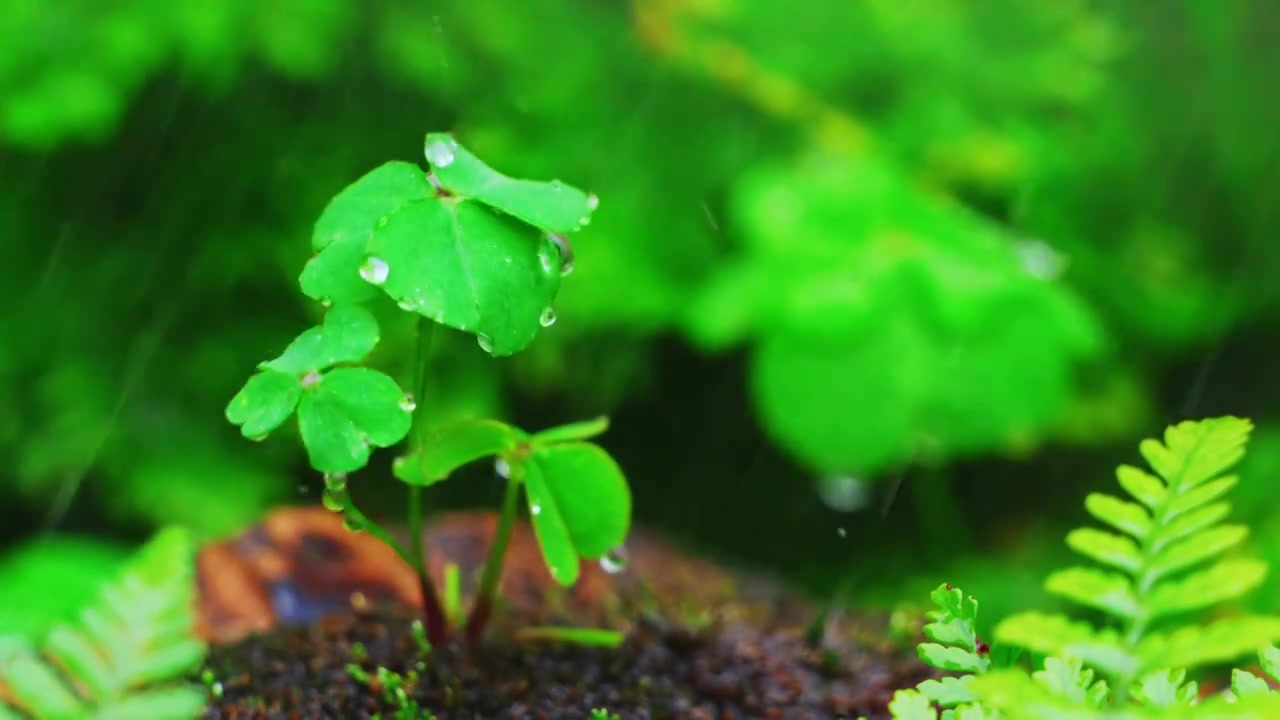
(727, 672)
(290, 605)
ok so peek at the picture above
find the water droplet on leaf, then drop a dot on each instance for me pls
(326, 301)
(562, 246)
(259, 438)
(334, 501)
(407, 403)
(335, 481)
(535, 509)
(501, 467)
(485, 342)
(548, 317)
(311, 378)
(375, 270)
(382, 221)
(593, 202)
(408, 304)
(614, 561)
(440, 152)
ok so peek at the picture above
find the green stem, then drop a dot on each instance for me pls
(362, 521)
(483, 606)
(434, 618)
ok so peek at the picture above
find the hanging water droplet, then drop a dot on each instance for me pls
(408, 304)
(485, 342)
(259, 438)
(334, 501)
(593, 202)
(501, 467)
(614, 561)
(351, 523)
(548, 317)
(326, 301)
(335, 481)
(407, 403)
(375, 270)
(562, 246)
(441, 152)
(311, 378)
(535, 509)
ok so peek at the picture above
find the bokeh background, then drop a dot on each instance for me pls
(877, 290)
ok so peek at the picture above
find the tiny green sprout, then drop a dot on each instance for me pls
(590, 637)
(603, 714)
(468, 248)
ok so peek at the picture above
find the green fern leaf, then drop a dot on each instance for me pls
(1068, 678)
(1051, 634)
(118, 663)
(911, 705)
(952, 628)
(1245, 684)
(1165, 689)
(1219, 642)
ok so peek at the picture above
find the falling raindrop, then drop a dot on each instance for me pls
(375, 270)
(842, 532)
(407, 403)
(548, 317)
(485, 342)
(503, 469)
(441, 152)
(844, 493)
(614, 561)
(311, 378)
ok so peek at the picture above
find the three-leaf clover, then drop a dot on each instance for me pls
(342, 411)
(578, 499)
(465, 246)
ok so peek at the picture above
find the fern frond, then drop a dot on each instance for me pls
(119, 661)
(1163, 555)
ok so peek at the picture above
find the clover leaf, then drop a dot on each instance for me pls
(452, 447)
(341, 412)
(579, 504)
(466, 247)
(549, 206)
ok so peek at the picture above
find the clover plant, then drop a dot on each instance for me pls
(463, 246)
(1167, 557)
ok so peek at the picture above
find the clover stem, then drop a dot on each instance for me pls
(434, 617)
(483, 605)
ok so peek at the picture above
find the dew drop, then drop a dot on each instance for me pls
(334, 501)
(326, 301)
(407, 403)
(441, 152)
(382, 221)
(614, 561)
(593, 202)
(259, 438)
(408, 304)
(335, 481)
(485, 342)
(311, 378)
(501, 467)
(548, 317)
(535, 509)
(375, 270)
(562, 246)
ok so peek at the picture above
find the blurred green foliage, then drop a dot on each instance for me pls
(939, 231)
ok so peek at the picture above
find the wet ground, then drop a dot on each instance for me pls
(309, 621)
